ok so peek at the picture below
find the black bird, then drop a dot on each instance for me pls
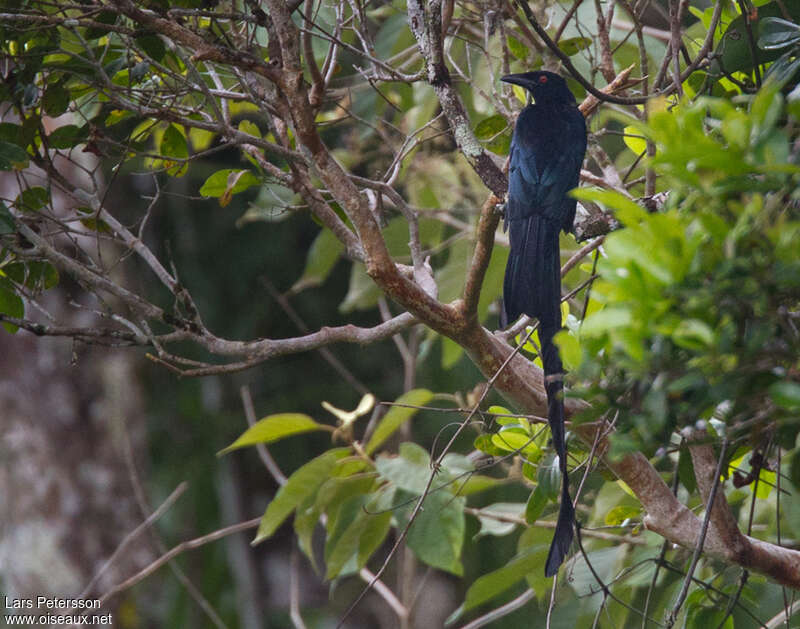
(547, 151)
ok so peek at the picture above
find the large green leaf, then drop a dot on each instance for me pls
(11, 305)
(7, 224)
(786, 394)
(218, 183)
(604, 563)
(437, 534)
(536, 504)
(491, 126)
(322, 256)
(625, 210)
(775, 32)
(410, 470)
(56, 99)
(362, 292)
(494, 583)
(32, 199)
(360, 538)
(396, 416)
(273, 428)
(299, 488)
(12, 156)
(66, 137)
(346, 522)
(492, 517)
(174, 144)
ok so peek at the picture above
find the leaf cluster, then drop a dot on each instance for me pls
(698, 305)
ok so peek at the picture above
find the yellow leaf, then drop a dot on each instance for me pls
(348, 417)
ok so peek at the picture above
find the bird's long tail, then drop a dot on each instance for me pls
(533, 286)
(554, 385)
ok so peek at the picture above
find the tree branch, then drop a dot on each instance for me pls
(426, 25)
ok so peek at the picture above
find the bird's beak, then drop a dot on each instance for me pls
(515, 79)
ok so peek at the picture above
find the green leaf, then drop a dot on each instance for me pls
(13, 133)
(517, 48)
(516, 439)
(322, 256)
(494, 583)
(374, 532)
(410, 470)
(501, 145)
(620, 513)
(152, 45)
(396, 416)
(218, 184)
(489, 127)
(686, 469)
(451, 353)
(550, 479)
(774, 33)
(535, 505)
(693, 334)
(56, 99)
(66, 137)
(356, 543)
(32, 199)
(625, 210)
(786, 394)
(604, 563)
(249, 127)
(35, 275)
(574, 45)
(12, 156)
(173, 144)
(570, 349)
(484, 444)
(299, 487)
(7, 224)
(634, 141)
(11, 305)
(437, 534)
(273, 428)
(346, 521)
(604, 320)
(496, 525)
(103, 17)
(766, 483)
(362, 293)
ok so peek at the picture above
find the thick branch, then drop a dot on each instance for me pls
(487, 224)
(671, 519)
(705, 463)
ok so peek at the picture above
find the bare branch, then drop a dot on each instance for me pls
(174, 552)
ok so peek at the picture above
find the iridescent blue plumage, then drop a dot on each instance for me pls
(547, 151)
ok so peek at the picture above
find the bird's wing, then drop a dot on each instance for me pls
(546, 155)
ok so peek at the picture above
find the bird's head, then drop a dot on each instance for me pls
(545, 87)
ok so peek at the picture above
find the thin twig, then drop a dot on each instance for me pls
(503, 610)
(673, 614)
(155, 515)
(177, 550)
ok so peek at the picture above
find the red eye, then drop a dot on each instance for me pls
(542, 79)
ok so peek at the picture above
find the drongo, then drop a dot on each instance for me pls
(547, 151)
